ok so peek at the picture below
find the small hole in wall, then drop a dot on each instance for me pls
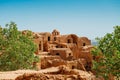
(84, 44)
(73, 67)
(48, 38)
(69, 54)
(57, 54)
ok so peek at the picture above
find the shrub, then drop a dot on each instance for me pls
(16, 49)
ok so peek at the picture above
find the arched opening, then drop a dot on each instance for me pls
(54, 38)
(48, 38)
(73, 38)
(69, 41)
(84, 44)
(73, 67)
(55, 32)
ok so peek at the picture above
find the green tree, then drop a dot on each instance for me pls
(16, 49)
(109, 46)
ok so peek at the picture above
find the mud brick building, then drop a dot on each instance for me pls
(67, 47)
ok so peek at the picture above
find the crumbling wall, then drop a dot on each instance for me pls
(51, 61)
(55, 61)
(88, 57)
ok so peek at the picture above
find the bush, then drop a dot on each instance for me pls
(109, 63)
(16, 50)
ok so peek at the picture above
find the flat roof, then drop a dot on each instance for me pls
(60, 49)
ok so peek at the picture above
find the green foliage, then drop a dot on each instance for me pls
(16, 50)
(109, 46)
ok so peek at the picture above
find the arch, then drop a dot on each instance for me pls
(55, 38)
(84, 44)
(55, 32)
(69, 41)
(84, 38)
(85, 41)
(74, 38)
(48, 38)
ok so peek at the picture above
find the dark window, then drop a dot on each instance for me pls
(39, 46)
(84, 44)
(57, 54)
(69, 41)
(56, 46)
(75, 42)
(73, 67)
(49, 53)
(48, 38)
(69, 54)
(54, 38)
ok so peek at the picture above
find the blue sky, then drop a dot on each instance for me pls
(89, 18)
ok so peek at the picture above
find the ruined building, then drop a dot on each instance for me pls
(63, 47)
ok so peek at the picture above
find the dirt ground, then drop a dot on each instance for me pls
(53, 73)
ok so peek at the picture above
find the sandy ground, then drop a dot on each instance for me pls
(11, 75)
